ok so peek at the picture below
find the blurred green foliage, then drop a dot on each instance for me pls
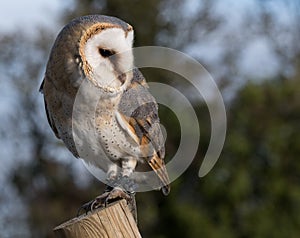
(253, 191)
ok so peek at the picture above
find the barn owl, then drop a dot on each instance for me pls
(126, 132)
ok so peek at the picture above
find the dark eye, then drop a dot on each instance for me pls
(106, 53)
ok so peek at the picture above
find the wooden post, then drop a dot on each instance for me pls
(114, 221)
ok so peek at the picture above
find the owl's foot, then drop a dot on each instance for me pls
(117, 194)
(90, 206)
(108, 197)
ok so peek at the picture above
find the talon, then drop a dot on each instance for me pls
(124, 190)
(86, 207)
(94, 204)
(117, 193)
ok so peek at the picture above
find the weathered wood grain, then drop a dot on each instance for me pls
(114, 221)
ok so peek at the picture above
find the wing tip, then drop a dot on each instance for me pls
(166, 190)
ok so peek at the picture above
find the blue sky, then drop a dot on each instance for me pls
(28, 13)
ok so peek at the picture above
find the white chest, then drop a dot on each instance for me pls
(99, 138)
(114, 140)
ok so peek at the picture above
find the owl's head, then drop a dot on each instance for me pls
(101, 48)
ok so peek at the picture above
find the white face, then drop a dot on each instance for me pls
(106, 69)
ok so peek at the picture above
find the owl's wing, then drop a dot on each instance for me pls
(138, 116)
(49, 118)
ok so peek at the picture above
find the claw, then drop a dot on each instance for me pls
(94, 204)
(104, 199)
(117, 193)
(85, 207)
(124, 188)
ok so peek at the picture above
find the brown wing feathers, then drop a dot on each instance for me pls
(149, 151)
(144, 124)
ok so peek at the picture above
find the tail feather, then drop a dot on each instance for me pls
(158, 165)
